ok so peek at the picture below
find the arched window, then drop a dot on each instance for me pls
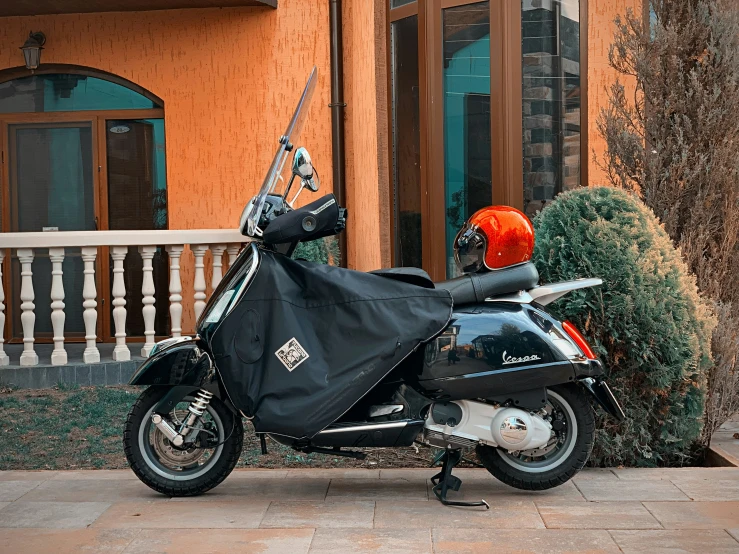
(68, 92)
(85, 150)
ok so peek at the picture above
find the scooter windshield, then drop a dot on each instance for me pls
(275, 170)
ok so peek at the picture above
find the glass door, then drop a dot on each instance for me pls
(51, 188)
(455, 121)
(137, 199)
(465, 72)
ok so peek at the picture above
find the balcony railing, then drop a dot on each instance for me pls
(218, 241)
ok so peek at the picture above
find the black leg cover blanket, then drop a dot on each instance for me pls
(307, 341)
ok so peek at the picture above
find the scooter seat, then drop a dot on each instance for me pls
(410, 275)
(474, 288)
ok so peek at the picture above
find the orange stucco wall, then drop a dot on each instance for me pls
(601, 16)
(229, 78)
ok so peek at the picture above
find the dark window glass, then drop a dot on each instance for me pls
(406, 142)
(467, 135)
(137, 199)
(51, 188)
(67, 93)
(397, 3)
(551, 100)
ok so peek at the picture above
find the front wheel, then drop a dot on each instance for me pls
(573, 431)
(193, 468)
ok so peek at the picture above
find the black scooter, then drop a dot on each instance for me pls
(327, 360)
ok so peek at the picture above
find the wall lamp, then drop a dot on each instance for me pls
(32, 49)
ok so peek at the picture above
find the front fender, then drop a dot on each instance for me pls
(183, 361)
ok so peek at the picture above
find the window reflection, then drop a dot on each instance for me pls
(68, 93)
(406, 142)
(551, 99)
(467, 139)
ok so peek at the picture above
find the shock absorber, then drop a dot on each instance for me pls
(197, 408)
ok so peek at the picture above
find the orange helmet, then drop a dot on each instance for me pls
(494, 238)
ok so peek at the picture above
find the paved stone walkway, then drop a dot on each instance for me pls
(296, 511)
(724, 443)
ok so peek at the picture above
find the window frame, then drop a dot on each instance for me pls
(506, 118)
(97, 120)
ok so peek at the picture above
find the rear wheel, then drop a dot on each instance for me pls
(573, 424)
(193, 468)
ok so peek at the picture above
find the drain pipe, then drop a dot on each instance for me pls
(337, 106)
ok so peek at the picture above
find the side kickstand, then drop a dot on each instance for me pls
(444, 480)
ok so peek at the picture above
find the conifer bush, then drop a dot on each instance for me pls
(322, 251)
(647, 322)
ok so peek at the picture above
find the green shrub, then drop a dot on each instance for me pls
(324, 251)
(647, 322)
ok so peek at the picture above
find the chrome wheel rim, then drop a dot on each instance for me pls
(179, 464)
(559, 447)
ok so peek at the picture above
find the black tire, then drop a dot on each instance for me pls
(514, 472)
(155, 475)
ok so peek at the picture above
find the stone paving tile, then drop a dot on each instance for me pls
(27, 475)
(734, 533)
(51, 515)
(624, 491)
(534, 541)
(333, 473)
(248, 473)
(644, 473)
(510, 514)
(707, 489)
(264, 541)
(65, 541)
(373, 489)
(593, 515)
(319, 514)
(13, 490)
(99, 474)
(377, 541)
(414, 474)
(183, 515)
(595, 474)
(247, 490)
(494, 491)
(695, 515)
(94, 490)
(656, 542)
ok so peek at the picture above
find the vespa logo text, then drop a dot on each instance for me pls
(291, 354)
(511, 360)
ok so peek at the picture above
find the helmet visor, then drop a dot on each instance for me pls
(469, 249)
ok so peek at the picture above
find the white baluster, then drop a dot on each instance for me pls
(217, 250)
(121, 353)
(59, 355)
(148, 291)
(199, 251)
(4, 359)
(175, 289)
(28, 318)
(233, 250)
(90, 315)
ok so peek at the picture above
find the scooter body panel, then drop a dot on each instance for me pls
(496, 349)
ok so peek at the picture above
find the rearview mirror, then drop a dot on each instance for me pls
(303, 168)
(302, 165)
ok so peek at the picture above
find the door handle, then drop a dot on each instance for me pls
(96, 223)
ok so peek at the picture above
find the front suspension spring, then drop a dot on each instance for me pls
(198, 406)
